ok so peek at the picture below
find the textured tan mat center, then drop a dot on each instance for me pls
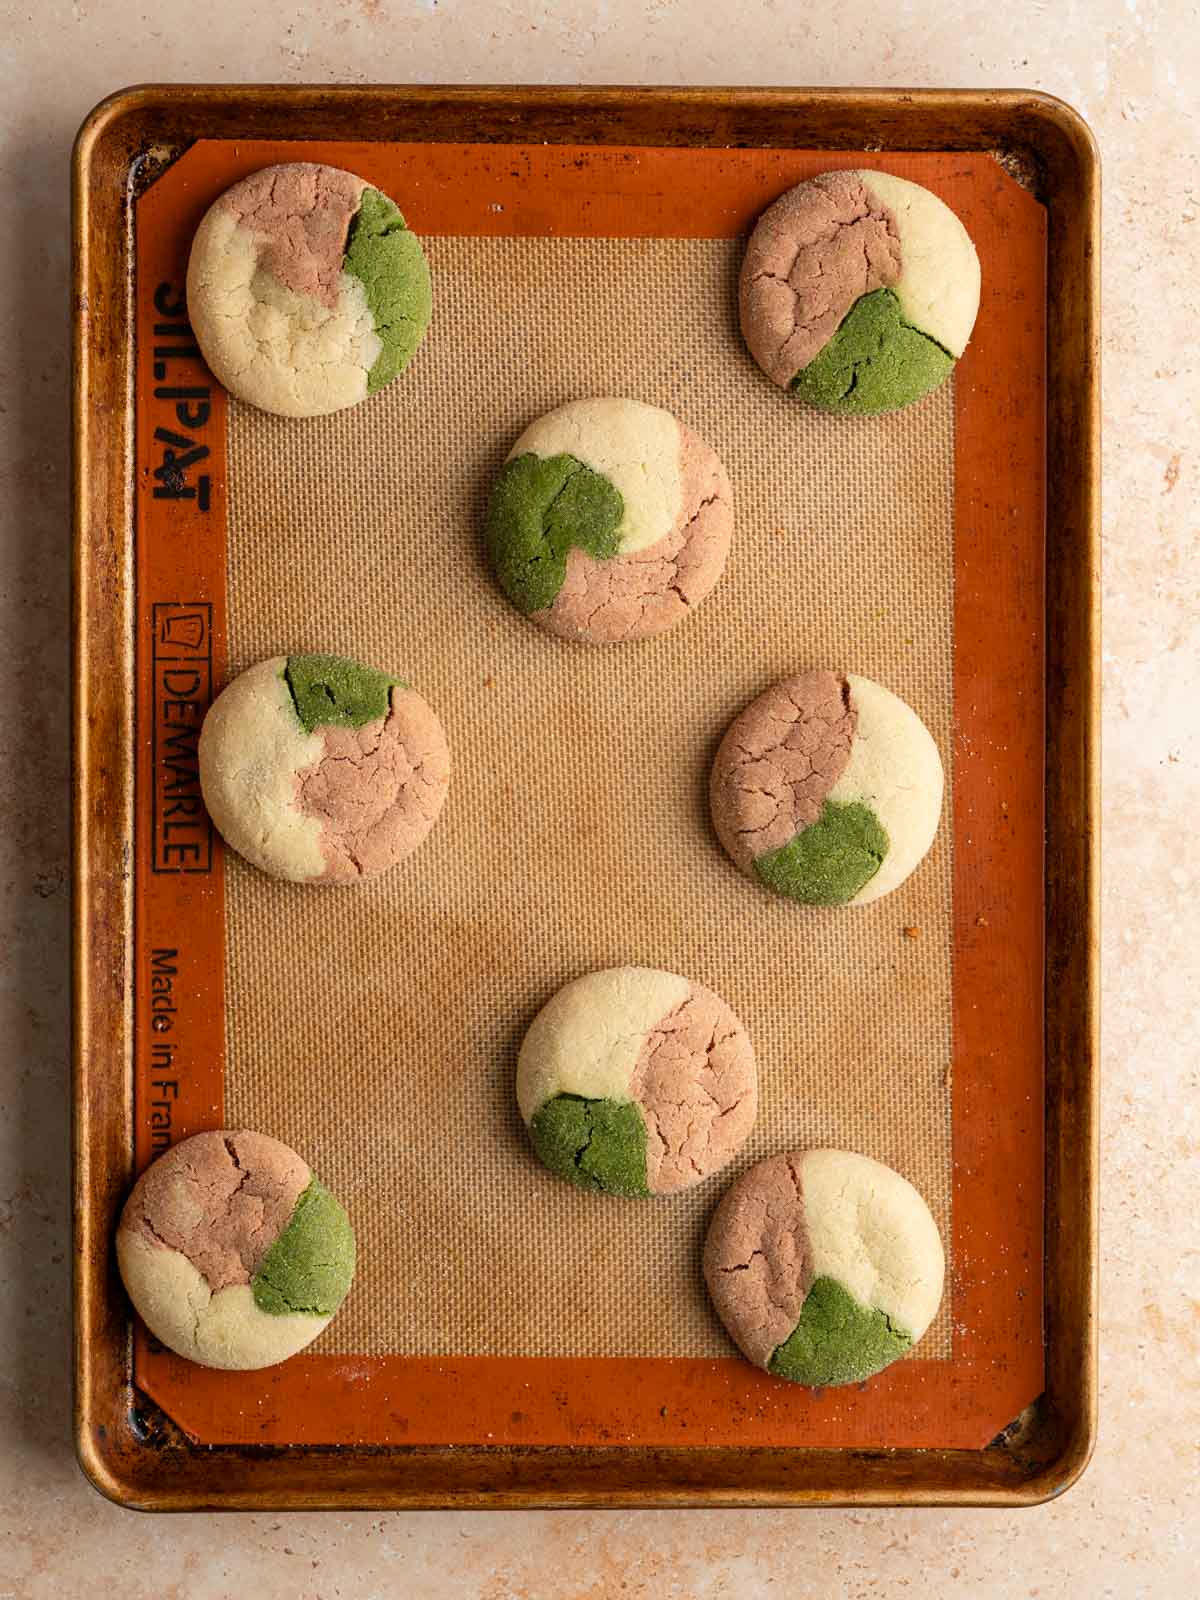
(375, 1028)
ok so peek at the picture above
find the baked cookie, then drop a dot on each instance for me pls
(636, 1082)
(824, 1266)
(306, 290)
(859, 291)
(609, 521)
(233, 1253)
(318, 769)
(827, 789)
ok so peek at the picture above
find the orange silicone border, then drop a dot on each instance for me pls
(999, 724)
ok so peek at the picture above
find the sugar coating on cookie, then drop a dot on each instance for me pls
(234, 1254)
(317, 769)
(610, 521)
(306, 290)
(827, 789)
(859, 291)
(635, 1081)
(825, 1266)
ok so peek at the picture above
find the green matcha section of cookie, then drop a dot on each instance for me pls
(539, 508)
(331, 691)
(388, 260)
(874, 362)
(827, 863)
(598, 1144)
(837, 1340)
(309, 1267)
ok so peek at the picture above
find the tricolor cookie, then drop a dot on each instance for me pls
(610, 521)
(824, 1266)
(859, 291)
(233, 1253)
(306, 290)
(636, 1082)
(318, 769)
(827, 789)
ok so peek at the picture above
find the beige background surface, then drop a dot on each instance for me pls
(1132, 67)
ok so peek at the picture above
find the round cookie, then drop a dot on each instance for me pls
(306, 290)
(609, 521)
(824, 1266)
(318, 769)
(858, 291)
(636, 1082)
(827, 789)
(234, 1254)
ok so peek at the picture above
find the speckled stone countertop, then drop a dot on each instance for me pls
(1132, 67)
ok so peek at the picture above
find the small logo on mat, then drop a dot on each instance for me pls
(182, 672)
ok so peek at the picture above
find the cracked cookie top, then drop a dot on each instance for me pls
(610, 521)
(824, 1266)
(634, 1082)
(306, 290)
(233, 1252)
(858, 291)
(316, 768)
(222, 1199)
(827, 789)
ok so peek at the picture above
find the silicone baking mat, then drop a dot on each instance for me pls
(375, 1028)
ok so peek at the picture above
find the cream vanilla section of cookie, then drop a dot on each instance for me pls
(896, 773)
(252, 749)
(868, 1228)
(586, 1040)
(611, 521)
(305, 289)
(317, 768)
(827, 789)
(939, 280)
(233, 1253)
(635, 1081)
(824, 1265)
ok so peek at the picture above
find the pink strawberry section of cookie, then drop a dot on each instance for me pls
(378, 789)
(639, 595)
(778, 761)
(696, 1083)
(304, 212)
(755, 1257)
(818, 249)
(221, 1199)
